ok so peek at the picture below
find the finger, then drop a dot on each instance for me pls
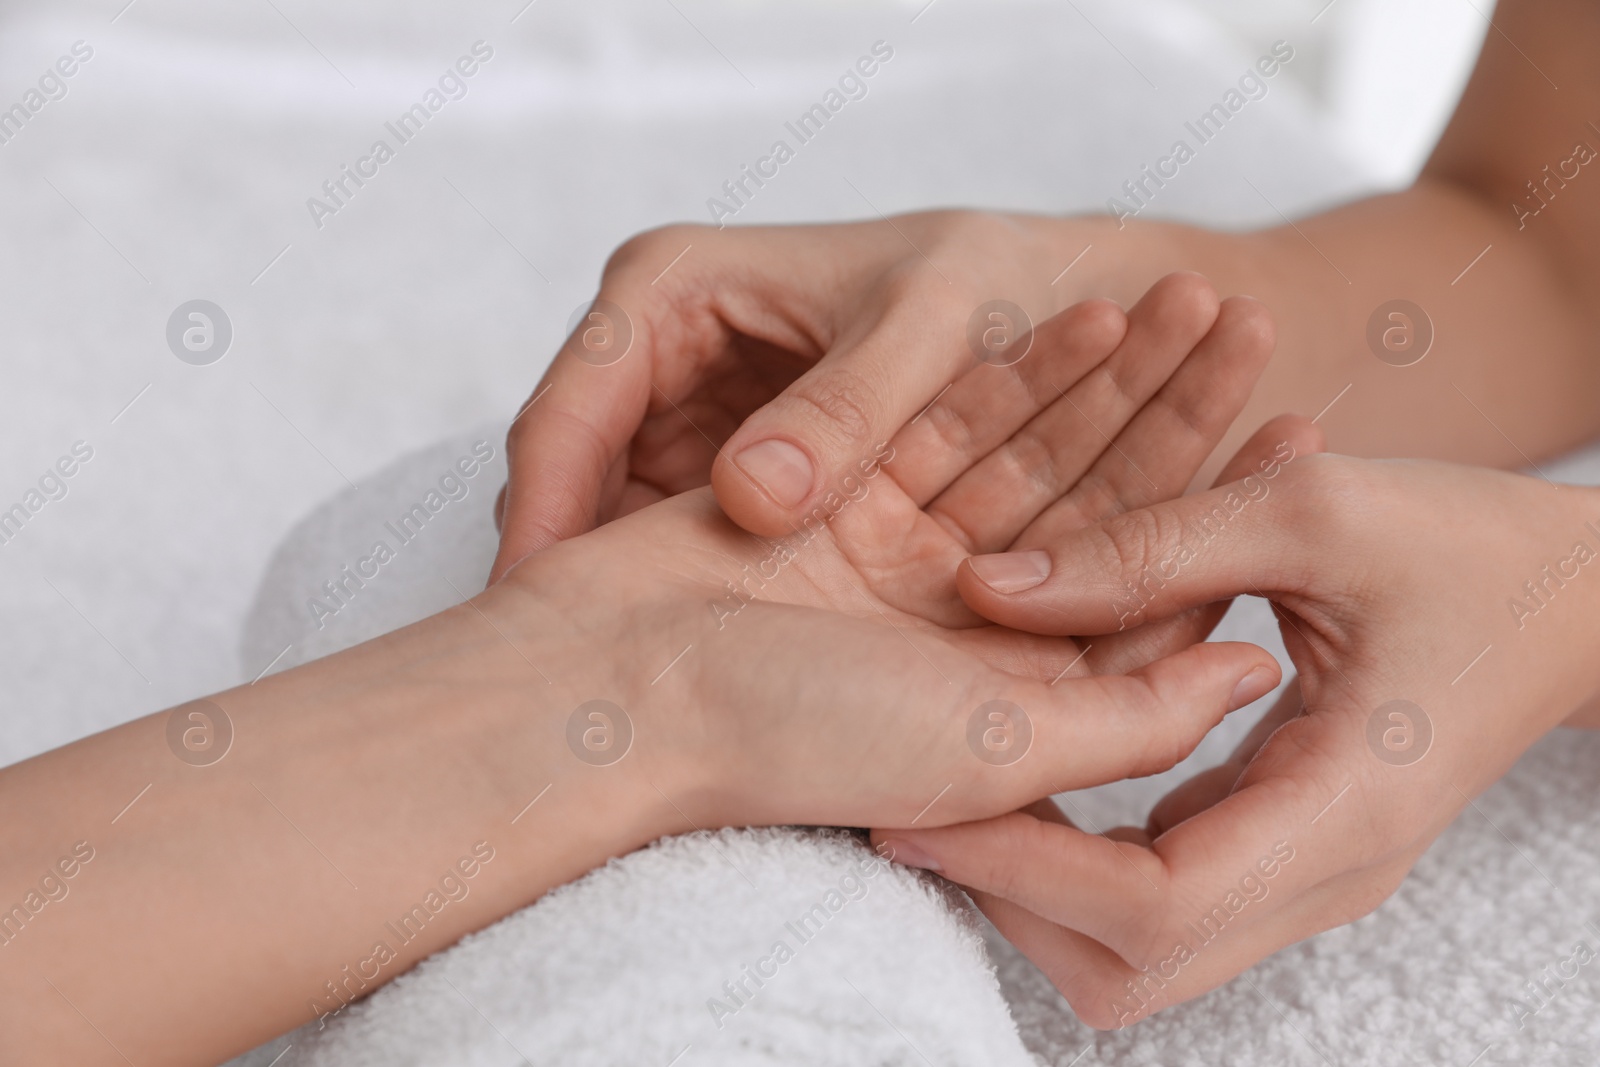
(837, 420)
(1259, 848)
(1087, 974)
(1260, 534)
(1008, 488)
(982, 409)
(1107, 992)
(648, 334)
(1117, 893)
(1039, 739)
(1123, 652)
(1211, 785)
(1163, 447)
(1102, 889)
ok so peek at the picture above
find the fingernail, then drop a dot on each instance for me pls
(780, 469)
(1012, 572)
(1251, 688)
(908, 855)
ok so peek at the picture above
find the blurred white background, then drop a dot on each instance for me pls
(179, 163)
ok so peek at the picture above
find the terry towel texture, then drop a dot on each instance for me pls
(618, 967)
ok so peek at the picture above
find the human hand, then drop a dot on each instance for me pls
(835, 683)
(868, 590)
(1396, 585)
(828, 339)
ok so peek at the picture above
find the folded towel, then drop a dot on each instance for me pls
(740, 947)
(1476, 955)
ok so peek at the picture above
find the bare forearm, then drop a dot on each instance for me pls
(1498, 243)
(1511, 374)
(360, 820)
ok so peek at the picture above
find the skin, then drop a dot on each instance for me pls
(830, 338)
(221, 897)
(1388, 578)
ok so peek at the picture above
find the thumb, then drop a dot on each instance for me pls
(831, 428)
(1250, 536)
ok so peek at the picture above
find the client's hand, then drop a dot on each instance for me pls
(1442, 619)
(888, 682)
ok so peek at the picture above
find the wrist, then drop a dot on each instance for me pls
(613, 660)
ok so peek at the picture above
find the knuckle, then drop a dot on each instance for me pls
(1164, 749)
(954, 432)
(839, 402)
(1133, 541)
(644, 249)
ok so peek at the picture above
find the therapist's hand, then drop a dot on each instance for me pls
(768, 361)
(1427, 663)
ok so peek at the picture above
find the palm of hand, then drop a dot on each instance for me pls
(1106, 413)
(860, 610)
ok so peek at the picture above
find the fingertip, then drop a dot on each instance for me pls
(895, 846)
(1316, 439)
(764, 485)
(1257, 683)
(1004, 587)
(1188, 292)
(1009, 573)
(1298, 431)
(1250, 325)
(1098, 324)
(1220, 675)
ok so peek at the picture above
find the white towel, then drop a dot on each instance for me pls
(644, 959)
(618, 967)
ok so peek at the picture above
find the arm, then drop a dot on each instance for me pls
(802, 334)
(233, 901)
(1515, 334)
(185, 897)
